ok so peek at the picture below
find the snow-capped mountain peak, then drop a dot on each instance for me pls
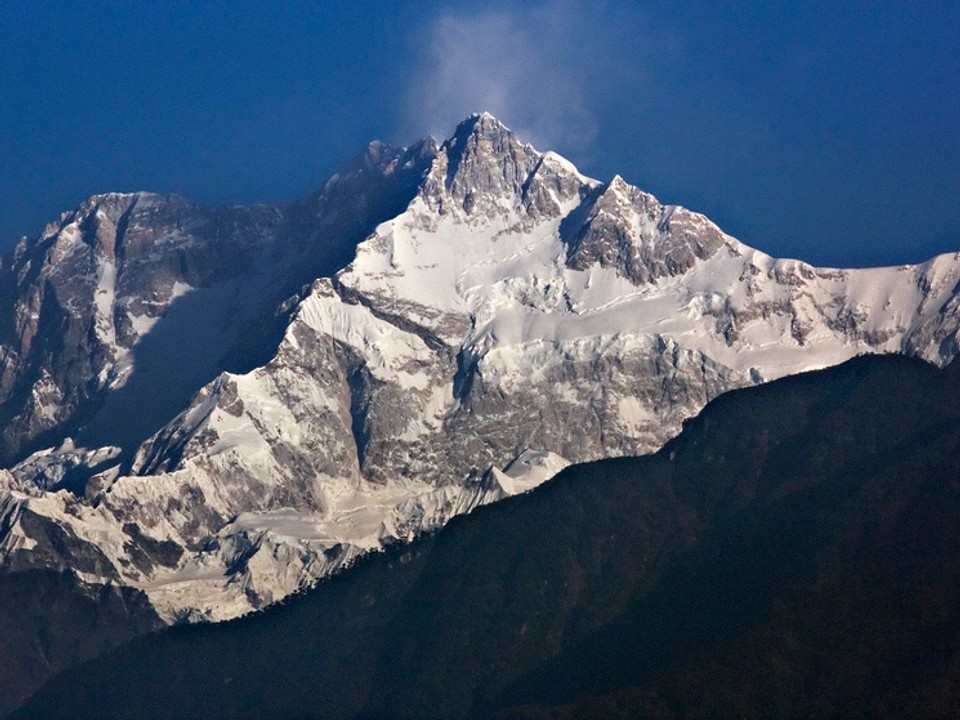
(484, 171)
(495, 315)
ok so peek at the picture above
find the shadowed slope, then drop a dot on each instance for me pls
(50, 620)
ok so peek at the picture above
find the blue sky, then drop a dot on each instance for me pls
(822, 130)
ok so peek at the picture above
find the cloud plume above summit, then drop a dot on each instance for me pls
(540, 69)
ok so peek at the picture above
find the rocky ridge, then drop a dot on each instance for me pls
(501, 317)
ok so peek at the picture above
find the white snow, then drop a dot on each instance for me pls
(104, 299)
(529, 470)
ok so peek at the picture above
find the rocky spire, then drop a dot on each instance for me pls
(625, 228)
(484, 170)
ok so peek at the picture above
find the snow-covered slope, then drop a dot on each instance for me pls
(511, 316)
(120, 310)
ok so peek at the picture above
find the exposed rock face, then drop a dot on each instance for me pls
(630, 231)
(502, 316)
(82, 295)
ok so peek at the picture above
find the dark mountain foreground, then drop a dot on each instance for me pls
(794, 553)
(51, 620)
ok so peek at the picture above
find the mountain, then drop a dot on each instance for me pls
(793, 553)
(127, 286)
(52, 620)
(217, 407)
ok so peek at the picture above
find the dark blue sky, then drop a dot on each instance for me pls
(823, 130)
